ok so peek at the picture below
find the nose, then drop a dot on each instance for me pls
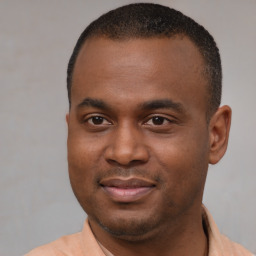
(126, 147)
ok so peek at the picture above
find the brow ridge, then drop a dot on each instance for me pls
(148, 105)
(162, 103)
(91, 102)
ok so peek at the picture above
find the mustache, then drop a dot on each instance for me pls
(127, 172)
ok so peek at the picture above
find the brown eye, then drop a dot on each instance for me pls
(158, 120)
(97, 120)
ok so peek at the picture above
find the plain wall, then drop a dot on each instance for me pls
(36, 41)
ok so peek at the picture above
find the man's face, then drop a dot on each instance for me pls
(138, 140)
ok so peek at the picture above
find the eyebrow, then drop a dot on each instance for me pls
(148, 105)
(95, 103)
(163, 103)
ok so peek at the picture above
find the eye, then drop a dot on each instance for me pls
(98, 120)
(158, 120)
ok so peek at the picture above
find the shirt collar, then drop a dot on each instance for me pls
(218, 245)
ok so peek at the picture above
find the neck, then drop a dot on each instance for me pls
(176, 239)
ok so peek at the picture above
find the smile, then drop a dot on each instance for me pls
(128, 190)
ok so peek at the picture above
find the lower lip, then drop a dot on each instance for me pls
(127, 195)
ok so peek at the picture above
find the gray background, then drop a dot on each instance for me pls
(36, 40)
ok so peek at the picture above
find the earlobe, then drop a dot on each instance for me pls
(67, 118)
(219, 133)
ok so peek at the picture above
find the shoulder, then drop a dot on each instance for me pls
(66, 245)
(232, 248)
(219, 244)
(79, 244)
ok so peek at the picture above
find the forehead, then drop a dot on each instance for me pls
(136, 67)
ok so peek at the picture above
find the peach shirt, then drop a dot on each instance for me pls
(85, 244)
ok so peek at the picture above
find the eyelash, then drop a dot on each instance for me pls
(96, 116)
(162, 121)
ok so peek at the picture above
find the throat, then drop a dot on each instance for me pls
(161, 245)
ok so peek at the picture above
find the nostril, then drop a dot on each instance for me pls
(126, 147)
(125, 165)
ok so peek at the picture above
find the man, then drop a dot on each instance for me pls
(144, 87)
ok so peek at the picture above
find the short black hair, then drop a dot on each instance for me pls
(147, 20)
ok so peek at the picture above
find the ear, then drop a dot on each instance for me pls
(67, 118)
(219, 132)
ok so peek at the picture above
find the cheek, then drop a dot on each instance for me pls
(184, 163)
(83, 159)
(83, 150)
(82, 165)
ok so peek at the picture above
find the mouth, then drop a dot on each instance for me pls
(127, 190)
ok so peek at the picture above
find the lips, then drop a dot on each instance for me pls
(127, 190)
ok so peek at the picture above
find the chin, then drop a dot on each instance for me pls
(130, 228)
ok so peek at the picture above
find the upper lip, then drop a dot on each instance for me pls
(120, 182)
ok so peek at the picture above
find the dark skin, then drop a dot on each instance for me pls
(139, 144)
